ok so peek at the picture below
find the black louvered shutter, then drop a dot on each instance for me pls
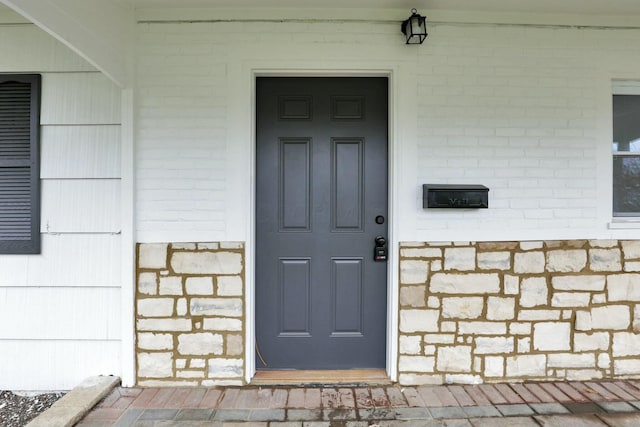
(19, 164)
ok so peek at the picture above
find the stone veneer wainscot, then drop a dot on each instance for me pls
(514, 311)
(190, 314)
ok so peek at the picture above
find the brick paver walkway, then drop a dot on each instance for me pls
(603, 403)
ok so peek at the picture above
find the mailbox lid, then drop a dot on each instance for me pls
(455, 196)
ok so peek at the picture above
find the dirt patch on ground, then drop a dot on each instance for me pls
(16, 410)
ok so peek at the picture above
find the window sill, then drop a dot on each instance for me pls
(624, 224)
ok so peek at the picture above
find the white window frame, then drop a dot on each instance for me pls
(623, 87)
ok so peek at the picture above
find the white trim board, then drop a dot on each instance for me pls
(247, 115)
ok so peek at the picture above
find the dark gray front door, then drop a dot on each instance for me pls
(321, 201)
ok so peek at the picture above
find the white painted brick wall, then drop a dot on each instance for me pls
(523, 111)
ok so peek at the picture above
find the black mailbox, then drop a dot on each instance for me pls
(455, 196)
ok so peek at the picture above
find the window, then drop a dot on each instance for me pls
(19, 164)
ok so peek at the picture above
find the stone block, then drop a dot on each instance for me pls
(152, 255)
(527, 365)
(494, 366)
(533, 292)
(151, 341)
(602, 243)
(462, 307)
(454, 359)
(511, 285)
(148, 283)
(524, 345)
(419, 320)
(163, 325)
(518, 328)
(570, 299)
(199, 285)
(418, 379)
(494, 260)
(598, 299)
(190, 374)
(181, 306)
(552, 336)
(631, 249)
(590, 342)
(493, 345)
(439, 338)
(497, 246)
(623, 287)
(529, 262)
(413, 271)
(532, 315)
(171, 285)
(500, 308)
(571, 360)
(475, 283)
(531, 245)
(208, 246)
(604, 361)
(566, 260)
(626, 367)
(583, 321)
(155, 365)
(636, 319)
(155, 307)
(183, 246)
(197, 363)
(206, 262)
(200, 344)
(482, 328)
(583, 374)
(225, 368)
(461, 259)
(235, 345)
(221, 324)
(458, 379)
(433, 302)
(416, 364)
(578, 283)
(181, 363)
(626, 344)
(231, 245)
(612, 317)
(448, 326)
(605, 260)
(231, 307)
(410, 344)
(631, 266)
(230, 286)
(413, 296)
(421, 253)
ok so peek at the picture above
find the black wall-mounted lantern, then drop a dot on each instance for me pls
(415, 28)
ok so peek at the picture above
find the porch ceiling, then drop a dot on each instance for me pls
(581, 7)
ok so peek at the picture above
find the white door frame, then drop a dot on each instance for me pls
(245, 113)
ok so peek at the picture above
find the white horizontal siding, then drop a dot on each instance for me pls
(60, 311)
(85, 206)
(8, 16)
(44, 54)
(61, 365)
(79, 313)
(79, 98)
(80, 151)
(66, 260)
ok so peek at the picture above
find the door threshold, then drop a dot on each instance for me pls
(311, 378)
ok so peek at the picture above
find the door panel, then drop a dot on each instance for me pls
(321, 180)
